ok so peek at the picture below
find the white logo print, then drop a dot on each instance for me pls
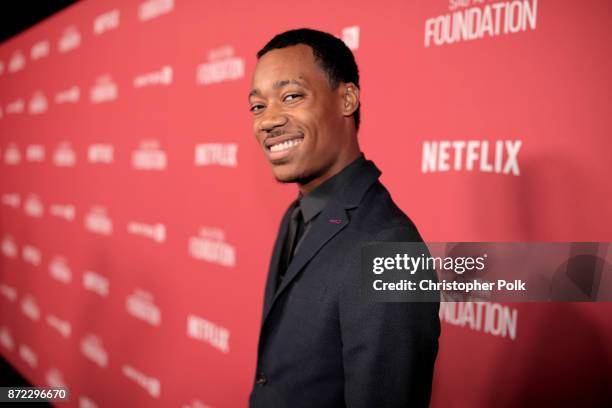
(201, 329)
(149, 156)
(35, 153)
(62, 326)
(157, 232)
(70, 40)
(9, 248)
(62, 211)
(64, 155)
(85, 402)
(55, 378)
(98, 222)
(33, 206)
(471, 155)
(38, 104)
(11, 155)
(70, 95)
(31, 254)
(161, 77)
(40, 50)
(11, 199)
(350, 36)
(17, 62)
(140, 305)
(210, 246)
(106, 22)
(15, 107)
(151, 384)
(100, 153)
(28, 355)
(59, 270)
(207, 154)
(92, 348)
(105, 90)
(6, 339)
(221, 66)
(154, 8)
(95, 283)
(471, 23)
(8, 292)
(30, 308)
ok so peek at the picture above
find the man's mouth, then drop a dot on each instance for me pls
(278, 147)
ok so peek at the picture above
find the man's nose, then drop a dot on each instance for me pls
(273, 118)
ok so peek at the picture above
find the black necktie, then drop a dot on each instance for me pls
(294, 233)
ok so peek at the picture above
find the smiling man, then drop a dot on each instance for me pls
(320, 344)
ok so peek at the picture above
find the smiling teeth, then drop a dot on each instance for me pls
(285, 145)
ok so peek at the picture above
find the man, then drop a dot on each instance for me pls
(320, 344)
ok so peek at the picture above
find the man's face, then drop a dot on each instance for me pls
(297, 117)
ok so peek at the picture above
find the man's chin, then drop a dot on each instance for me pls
(283, 178)
(290, 176)
(297, 180)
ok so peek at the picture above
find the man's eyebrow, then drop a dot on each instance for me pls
(278, 84)
(285, 82)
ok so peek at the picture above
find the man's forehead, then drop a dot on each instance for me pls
(282, 64)
(298, 53)
(294, 65)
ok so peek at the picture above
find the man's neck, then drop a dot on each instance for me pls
(337, 167)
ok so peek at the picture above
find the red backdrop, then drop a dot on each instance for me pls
(138, 213)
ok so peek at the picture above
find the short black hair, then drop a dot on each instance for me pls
(331, 53)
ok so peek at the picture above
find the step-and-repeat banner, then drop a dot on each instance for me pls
(138, 213)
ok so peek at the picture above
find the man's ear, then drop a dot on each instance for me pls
(350, 98)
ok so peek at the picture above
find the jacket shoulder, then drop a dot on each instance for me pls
(379, 217)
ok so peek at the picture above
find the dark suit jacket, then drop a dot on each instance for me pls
(320, 345)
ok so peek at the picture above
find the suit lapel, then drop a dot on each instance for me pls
(274, 268)
(331, 221)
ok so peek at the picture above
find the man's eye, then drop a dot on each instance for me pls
(256, 108)
(292, 97)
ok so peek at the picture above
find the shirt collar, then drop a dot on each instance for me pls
(314, 202)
